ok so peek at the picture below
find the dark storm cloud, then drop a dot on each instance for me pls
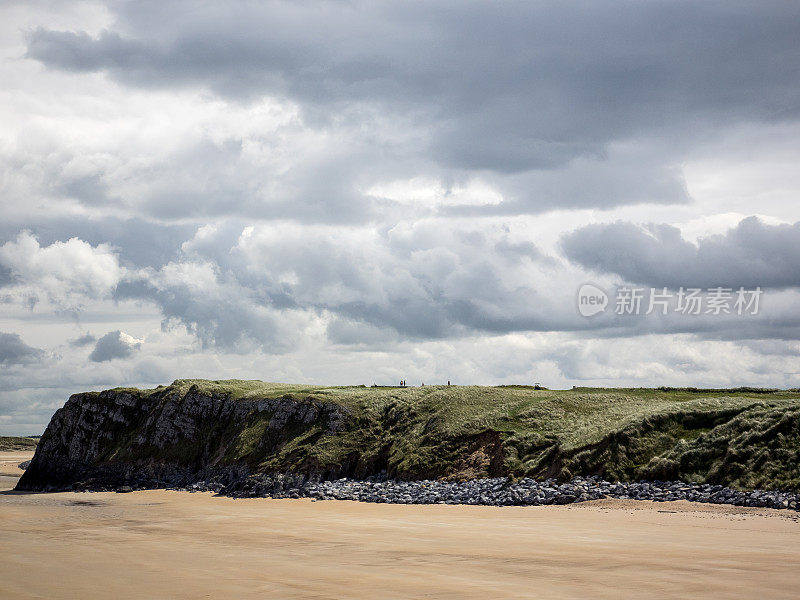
(14, 351)
(751, 254)
(114, 344)
(502, 88)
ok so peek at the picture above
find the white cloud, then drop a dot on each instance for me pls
(357, 193)
(66, 272)
(431, 193)
(115, 344)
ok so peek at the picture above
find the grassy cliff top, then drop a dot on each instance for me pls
(576, 417)
(743, 437)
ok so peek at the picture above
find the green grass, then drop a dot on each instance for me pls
(14, 444)
(742, 437)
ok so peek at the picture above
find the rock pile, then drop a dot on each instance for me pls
(493, 492)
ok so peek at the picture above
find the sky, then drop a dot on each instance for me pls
(337, 192)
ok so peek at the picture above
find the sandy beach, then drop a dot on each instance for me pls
(9, 463)
(181, 545)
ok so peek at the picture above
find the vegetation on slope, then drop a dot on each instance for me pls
(744, 438)
(15, 444)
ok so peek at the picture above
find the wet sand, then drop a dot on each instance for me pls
(181, 545)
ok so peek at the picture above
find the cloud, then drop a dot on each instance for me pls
(556, 103)
(349, 192)
(674, 360)
(514, 66)
(213, 306)
(416, 280)
(136, 242)
(114, 344)
(14, 351)
(750, 254)
(62, 270)
(6, 277)
(266, 286)
(188, 159)
(238, 287)
(429, 279)
(83, 340)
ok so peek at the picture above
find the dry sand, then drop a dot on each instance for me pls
(160, 544)
(9, 462)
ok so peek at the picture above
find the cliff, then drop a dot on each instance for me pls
(231, 430)
(172, 433)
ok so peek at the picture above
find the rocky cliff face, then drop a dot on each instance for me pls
(234, 434)
(170, 435)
